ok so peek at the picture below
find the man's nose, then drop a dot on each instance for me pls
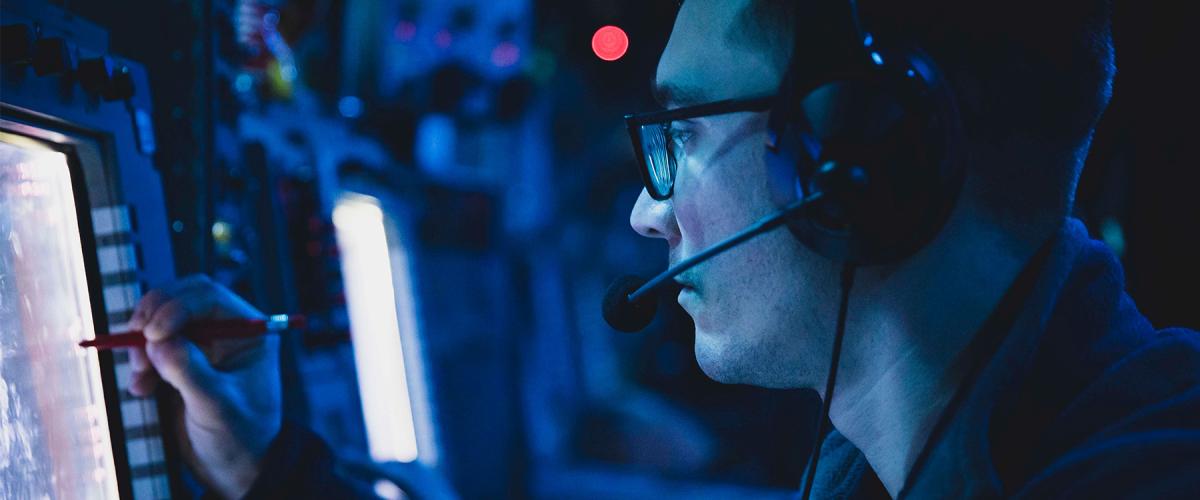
(654, 219)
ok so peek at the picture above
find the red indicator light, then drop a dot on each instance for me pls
(610, 43)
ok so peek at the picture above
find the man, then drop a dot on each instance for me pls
(1078, 396)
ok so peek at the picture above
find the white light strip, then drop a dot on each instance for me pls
(375, 329)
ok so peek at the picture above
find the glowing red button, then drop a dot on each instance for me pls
(610, 43)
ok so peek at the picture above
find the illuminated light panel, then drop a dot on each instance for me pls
(375, 326)
(610, 43)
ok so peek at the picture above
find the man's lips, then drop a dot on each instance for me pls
(686, 281)
(689, 296)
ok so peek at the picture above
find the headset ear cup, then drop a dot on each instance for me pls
(782, 161)
(890, 127)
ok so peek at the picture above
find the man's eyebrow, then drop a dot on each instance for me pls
(671, 95)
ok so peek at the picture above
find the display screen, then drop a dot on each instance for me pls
(54, 434)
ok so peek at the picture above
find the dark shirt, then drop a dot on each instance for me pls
(1081, 398)
(299, 465)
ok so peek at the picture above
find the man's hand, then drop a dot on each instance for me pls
(230, 388)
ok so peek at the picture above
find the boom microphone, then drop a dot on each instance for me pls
(628, 305)
(628, 315)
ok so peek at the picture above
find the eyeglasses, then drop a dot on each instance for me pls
(659, 148)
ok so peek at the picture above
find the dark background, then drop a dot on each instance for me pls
(1143, 164)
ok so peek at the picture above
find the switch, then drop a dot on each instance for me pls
(52, 56)
(95, 75)
(16, 44)
(121, 87)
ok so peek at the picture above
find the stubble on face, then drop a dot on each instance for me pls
(758, 308)
(752, 305)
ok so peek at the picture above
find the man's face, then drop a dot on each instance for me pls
(759, 309)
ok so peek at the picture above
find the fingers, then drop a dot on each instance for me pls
(145, 308)
(178, 361)
(181, 364)
(154, 299)
(170, 318)
(163, 314)
(145, 378)
(168, 309)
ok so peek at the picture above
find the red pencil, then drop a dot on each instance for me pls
(211, 329)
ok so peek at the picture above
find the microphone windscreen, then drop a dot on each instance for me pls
(623, 315)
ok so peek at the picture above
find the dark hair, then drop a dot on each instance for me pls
(1032, 79)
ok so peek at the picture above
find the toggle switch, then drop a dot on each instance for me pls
(121, 87)
(95, 75)
(52, 56)
(16, 44)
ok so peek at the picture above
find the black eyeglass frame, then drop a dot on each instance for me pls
(634, 122)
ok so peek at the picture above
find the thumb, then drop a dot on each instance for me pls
(182, 364)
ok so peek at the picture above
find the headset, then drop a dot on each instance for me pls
(872, 129)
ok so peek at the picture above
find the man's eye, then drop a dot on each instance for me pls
(678, 135)
(676, 138)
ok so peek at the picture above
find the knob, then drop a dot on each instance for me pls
(52, 56)
(16, 44)
(121, 87)
(95, 74)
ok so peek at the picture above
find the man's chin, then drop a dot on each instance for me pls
(713, 361)
(724, 360)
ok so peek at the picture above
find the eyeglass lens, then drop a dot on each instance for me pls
(660, 153)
